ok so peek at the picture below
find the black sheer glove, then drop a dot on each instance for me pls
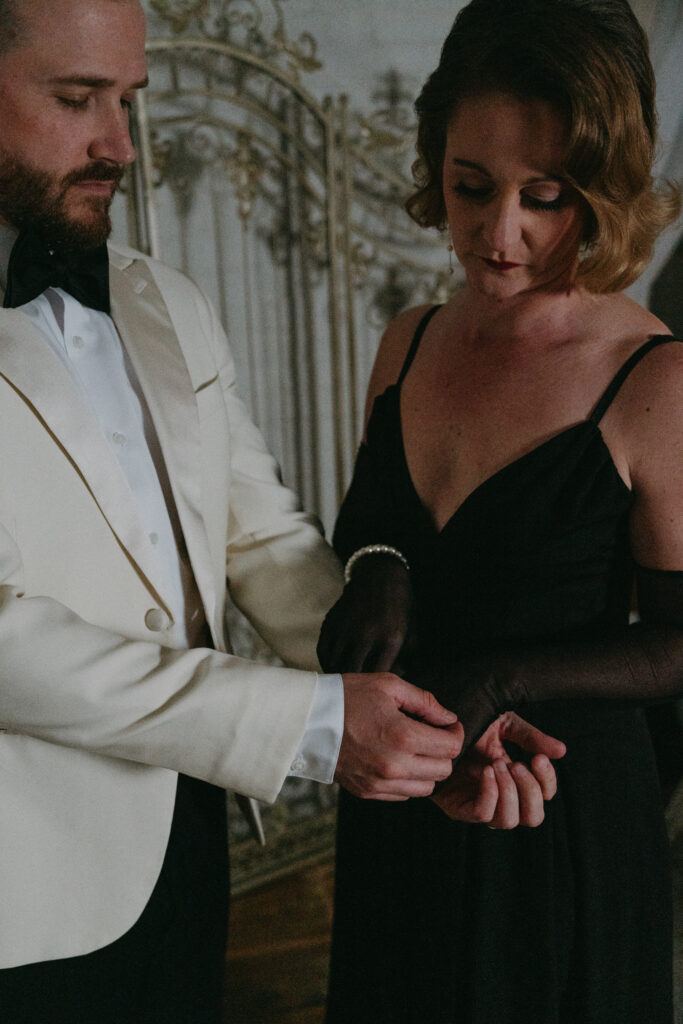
(367, 629)
(642, 663)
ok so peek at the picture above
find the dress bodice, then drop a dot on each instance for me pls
(540, 549)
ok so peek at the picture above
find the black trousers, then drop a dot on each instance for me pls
(169, 968)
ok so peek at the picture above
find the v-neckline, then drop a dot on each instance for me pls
(591, 425)
(588, 425)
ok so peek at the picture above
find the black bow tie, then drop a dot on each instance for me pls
(35, 265)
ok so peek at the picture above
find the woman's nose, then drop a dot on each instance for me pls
(503, 224)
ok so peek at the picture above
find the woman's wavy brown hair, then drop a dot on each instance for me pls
(589, 58)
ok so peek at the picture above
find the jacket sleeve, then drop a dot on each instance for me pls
(74, 682)
(281, 573)
(202, 712)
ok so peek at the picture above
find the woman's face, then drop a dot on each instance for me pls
(515, 223)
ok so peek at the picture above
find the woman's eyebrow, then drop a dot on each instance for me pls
(471, 165)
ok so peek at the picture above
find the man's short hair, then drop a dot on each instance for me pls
(12, 29)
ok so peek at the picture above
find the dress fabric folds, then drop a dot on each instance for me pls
(568, 923)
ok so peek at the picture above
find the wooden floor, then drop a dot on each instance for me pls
(279, 949)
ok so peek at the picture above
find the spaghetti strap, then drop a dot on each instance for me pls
(621, 375)
(417, 338)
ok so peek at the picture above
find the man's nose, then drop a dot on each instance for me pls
(112, 141)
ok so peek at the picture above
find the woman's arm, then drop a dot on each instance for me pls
(367, 627)
(640, 663)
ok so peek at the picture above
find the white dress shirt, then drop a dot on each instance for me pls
(89, 346)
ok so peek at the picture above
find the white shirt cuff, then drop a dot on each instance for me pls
(316, 758)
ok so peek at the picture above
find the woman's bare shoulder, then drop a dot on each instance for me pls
(652, 425)
(393, 349)
(650, 395)
(618, 316)
(653, 392)
(644, 429)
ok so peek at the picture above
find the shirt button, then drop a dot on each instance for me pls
(119, 439)
(298, 764)
(78, 341)
(154, 537)
(157, 620)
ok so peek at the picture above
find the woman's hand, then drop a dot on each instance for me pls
(487, 786)
(366, 630)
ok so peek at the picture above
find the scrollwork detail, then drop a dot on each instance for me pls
(179, 14)
(243, 24)
(245, 168)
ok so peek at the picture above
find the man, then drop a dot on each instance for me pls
(132, 483)
(129, 468)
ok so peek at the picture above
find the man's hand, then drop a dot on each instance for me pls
(487, 786)
(398, 740)
(367, 628)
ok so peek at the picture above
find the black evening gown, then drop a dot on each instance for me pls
(439, 922)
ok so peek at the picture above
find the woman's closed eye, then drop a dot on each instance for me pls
(550, 199)
(480, 192)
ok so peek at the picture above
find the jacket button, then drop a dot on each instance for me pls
(157, 620)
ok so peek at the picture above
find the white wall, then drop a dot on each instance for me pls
(357, 39)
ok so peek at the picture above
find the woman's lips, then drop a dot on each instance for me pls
(501, 264)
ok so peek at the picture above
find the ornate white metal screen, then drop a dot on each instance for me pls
(288, 212)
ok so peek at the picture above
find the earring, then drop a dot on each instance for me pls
(451, 268)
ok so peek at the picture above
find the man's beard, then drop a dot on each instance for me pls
(34, 199)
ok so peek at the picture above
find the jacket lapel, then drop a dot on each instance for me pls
(34, 370)
(151, 340)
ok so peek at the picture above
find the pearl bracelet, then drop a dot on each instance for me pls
(373, 549)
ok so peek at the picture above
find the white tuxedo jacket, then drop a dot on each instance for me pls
(98, 711)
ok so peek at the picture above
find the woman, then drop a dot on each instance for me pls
(523, 457)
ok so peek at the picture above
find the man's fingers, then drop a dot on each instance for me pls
(383, 750)
(403, 789)
(457, 731)
(424, 705)
(382, 795)
(427, 742)
(390, 789)
(398, 769)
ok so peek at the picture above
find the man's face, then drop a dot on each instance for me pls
(66, 88)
